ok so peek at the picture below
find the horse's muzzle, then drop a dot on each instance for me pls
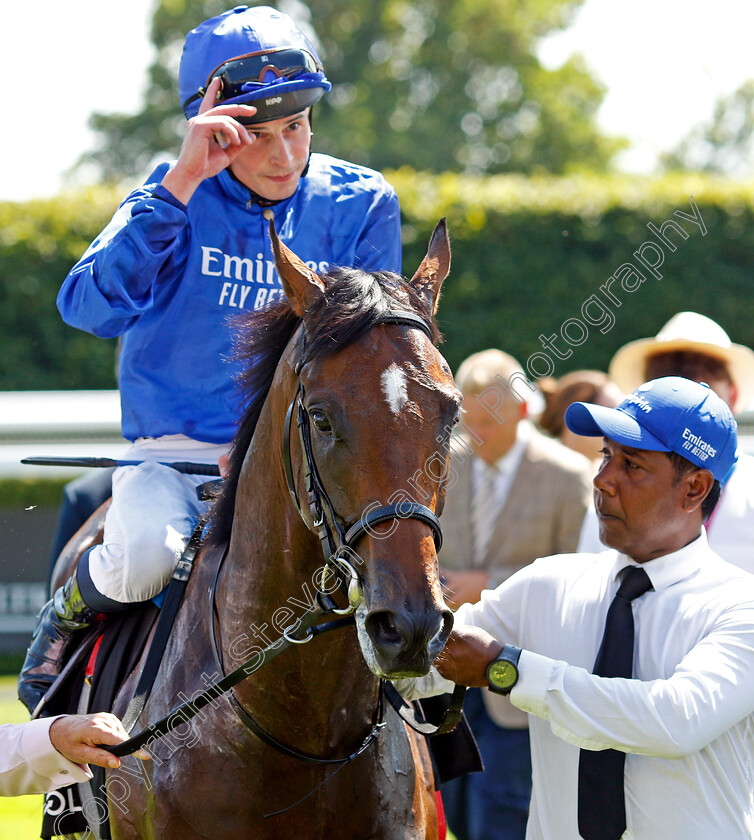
(405, 643)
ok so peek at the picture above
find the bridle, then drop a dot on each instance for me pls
(336, 537)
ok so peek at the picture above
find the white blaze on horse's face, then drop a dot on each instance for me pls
(395, 388)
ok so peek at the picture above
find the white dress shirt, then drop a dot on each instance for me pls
(30, 764)
(730, 530)
(686, 719)
(500, 474)
(508, 464)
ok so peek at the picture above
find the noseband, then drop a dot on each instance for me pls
(336, 536)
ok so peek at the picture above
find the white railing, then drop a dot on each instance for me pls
(57, 423)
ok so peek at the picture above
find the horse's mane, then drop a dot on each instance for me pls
(354, 302)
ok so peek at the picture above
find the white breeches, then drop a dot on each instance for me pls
(153, 513)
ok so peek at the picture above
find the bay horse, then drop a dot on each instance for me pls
(353, 355)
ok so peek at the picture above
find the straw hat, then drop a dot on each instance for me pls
(692, 332)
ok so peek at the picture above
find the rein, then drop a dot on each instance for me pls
(191, 708)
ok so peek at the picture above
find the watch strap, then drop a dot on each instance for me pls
(510, 653)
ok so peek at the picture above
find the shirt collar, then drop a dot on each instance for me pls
(670, 568)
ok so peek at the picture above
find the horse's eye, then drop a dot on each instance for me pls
(319, 418)
(457, 418)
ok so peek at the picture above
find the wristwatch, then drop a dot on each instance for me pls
(502, 673)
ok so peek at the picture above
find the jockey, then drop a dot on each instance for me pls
(182, 255)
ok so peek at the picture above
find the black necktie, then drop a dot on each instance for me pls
(602, 804)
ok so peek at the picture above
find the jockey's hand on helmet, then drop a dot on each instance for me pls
(213, 140)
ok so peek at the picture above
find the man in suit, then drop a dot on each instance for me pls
(513, 495)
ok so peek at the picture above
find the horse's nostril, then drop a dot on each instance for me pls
(446, 625)
(409, 638)
(383, 630)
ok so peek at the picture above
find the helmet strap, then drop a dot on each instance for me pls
(311, 134)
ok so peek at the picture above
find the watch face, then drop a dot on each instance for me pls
(502, 674)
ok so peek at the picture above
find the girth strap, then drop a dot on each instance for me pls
(191, 708)
(169, 610)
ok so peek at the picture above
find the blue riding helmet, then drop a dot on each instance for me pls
(263, 59)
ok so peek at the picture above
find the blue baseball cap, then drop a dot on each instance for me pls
(671, 414)
(262, 58)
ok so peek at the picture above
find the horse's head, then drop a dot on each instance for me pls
(376, 404)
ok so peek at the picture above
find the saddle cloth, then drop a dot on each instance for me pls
(119, 646)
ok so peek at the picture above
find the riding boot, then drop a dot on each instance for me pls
(58, 619)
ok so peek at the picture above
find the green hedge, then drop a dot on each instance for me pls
(18, 493)
(39, 242)
(528, 255)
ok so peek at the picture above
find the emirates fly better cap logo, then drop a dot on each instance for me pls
(697, 446)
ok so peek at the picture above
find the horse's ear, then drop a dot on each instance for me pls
(434, 267)
(302, 286)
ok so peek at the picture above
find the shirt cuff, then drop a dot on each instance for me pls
(417, 687)
(534, 675)
(44, 760)
(165, 195)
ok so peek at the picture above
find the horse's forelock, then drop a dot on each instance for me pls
(354, 302)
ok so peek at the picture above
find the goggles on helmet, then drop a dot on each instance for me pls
(247, 74)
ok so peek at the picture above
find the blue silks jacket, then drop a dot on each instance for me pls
(169, 278)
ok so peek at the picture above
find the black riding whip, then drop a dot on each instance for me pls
(180, 466)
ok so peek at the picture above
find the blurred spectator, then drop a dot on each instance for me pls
(513, 495)
(592, 386)
(690, 345)
(694, 346)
